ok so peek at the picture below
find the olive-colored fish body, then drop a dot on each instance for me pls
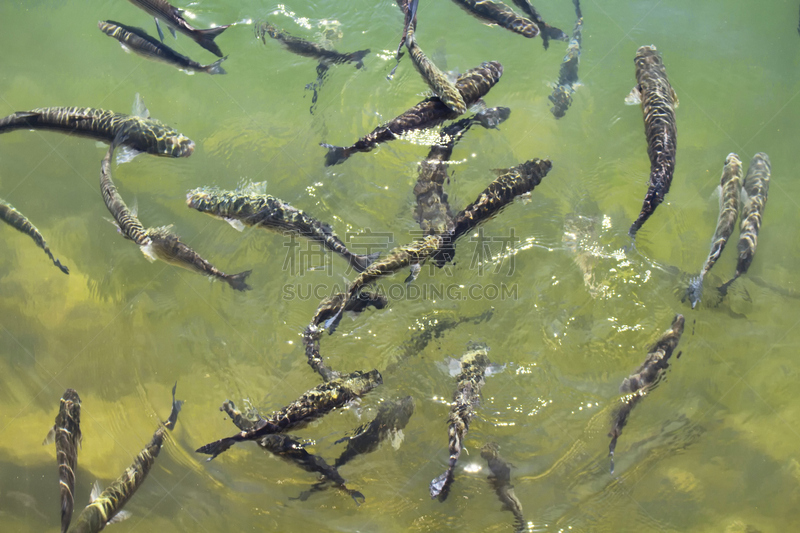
(67, 435)
(500, 479)
(561, 97)
(307, 48)
(241, 421)
(138, 41)
(264, 211)
(168, 247)
(17, 220)
(658, 101)
(547, 31)
(139, 133)
(470, 381)
(312, 405)
(643, 379)
(173, 17)
(391, 418)
(472, 86)
(500, 14)
(127, 222)
(435, 78)
(756, 188)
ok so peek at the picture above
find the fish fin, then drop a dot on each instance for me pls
(127, 50)
(119, 517)
(215, 448)
(215, 67)
(135, 208)
(336, 154)
(172, 31)
(126, 154)
(139, 108)
(96, 491)
(205, 38)
(358, 57)
(158, 27)
(634, 97)
(415, 270)
(149, 251)
(396, 438)
(236, 224)
(674, 97)
(51, 437)
(237, 281)
(478, 106)
(176, 408)
(361, 262)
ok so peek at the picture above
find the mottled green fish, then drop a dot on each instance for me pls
(392, 417)
(307, 48)
(500, 14)
(125, 219)
(137, 40)
(643, 379)
(263, 211)
(435, 78)
(66, 433)
(546, 30)
(107, 506)
(312, 405)
(17, 220)
(466, 397)
(561, 97)
(500, 479)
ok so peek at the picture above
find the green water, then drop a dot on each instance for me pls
(713, 448)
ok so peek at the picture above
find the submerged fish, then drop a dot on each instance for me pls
(500, 14)
(473, 366)
(658, 100)
(307, 48)
(173, 17)
(730, 190)
(66, 433)
(261, 210)
(754, 199)
(126, 221)
(312, 405)
(547, 31)
(638, 384)
(431, 112)
(435, 78)
(500, 479)
(138, 41)
(392, 417)
(568, 73)
(17, 220)
(106, 507)
(409, 9)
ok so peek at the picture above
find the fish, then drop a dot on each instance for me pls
(141, 133)
(500, 14)
(658, 100)
(125, 219)
(468, 390)
(307, 48)
(435, 78)
(563, 90)
(409, 9)
(638, 384)
(754, 199)
(66, 433)
(313, 404)
(546, 31)
(429, 113)
(173, 17)
(240, 208)
(138, 41)
(580, 234)
(730, 191)
(392, 417)
(500, 479)
(106, 506)
(17, 220)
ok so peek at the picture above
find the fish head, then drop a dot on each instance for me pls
(490, 450)
(677, 325)
(646, 57)
(180, 146)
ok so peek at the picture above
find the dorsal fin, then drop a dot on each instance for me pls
(139, 109)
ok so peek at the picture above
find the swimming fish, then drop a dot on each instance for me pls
(754, 199)
(140, 133)
(500, 479)
(730, 190)
(17, 220)
(658, 100)
(409, 9)
(500, 14)
(435, 78)
(392, 417)
(431, 112)
(638, 384)
(263, 211)
(473, 366)
(126, 221)
(307, 48)
(173, 17)
(107, 506)
(312, 405)
(568, 73)
(547, 31)
(138, 41)
(66, 433)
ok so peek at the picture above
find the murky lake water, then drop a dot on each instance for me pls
(713, 448)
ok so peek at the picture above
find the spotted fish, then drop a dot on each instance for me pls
(638, 384)
(500, 14)
(500, 479)
(307, 48)
(107, 505)
(470, 381)
(658, 100)
(435, 78)
(17, 220)
(66, 433)
(546, 30)
(392, 417)
(312, 405)
(431, 112)
(263, 211)
(561, 98)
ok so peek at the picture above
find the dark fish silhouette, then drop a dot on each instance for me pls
(561, 97)
(17, 220)
(392, 417)
(435, 78)
(108, 505)
(500, 479)
(307, 48)
(500, 14)
(173, 17)
(638, 384)
(658, 101)
(547, 31)
(409, 9)
(66, 433)
(138, 41)
(473, 85)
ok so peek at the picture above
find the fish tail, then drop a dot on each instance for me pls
(357, 496)
(176, 408)
(695, 290)
(358, 57)
(237, 281)
(336, 154)
(361, 262)
(215, 67)
(56, 262)
(215, 448)
(205, 38)
(723, 289)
